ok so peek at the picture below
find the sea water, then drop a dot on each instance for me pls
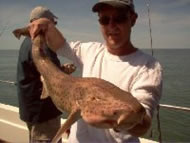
(175, 125)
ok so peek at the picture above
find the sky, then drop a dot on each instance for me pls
(170, 21)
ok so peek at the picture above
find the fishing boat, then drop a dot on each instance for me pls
(13, 130)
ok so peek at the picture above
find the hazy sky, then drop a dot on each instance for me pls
(170, 21)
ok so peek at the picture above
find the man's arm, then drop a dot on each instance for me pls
(148, 90)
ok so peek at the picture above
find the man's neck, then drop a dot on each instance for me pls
(124, 50)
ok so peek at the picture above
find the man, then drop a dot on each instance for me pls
(41, 116)
(117, 61)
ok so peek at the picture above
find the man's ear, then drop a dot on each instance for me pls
(134, 17)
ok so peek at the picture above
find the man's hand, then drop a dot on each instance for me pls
(53, 37)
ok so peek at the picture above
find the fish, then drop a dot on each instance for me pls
(98, 102)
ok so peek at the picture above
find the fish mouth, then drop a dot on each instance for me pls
(106, 124)
(127, 122)
(109, 123)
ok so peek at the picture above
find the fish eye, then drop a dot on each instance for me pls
(115, 113)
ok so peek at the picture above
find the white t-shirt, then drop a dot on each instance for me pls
(138, 73)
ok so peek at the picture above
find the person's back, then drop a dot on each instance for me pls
(37, 113)
(32, 108)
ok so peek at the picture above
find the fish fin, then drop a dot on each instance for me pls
(22, 31)
(45, 93)
(73, 117)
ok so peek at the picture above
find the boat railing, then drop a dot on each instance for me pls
(181, 108)
(170, 107)
(166, 106)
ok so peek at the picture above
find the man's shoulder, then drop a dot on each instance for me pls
(145, 56)
(146, 60)
(86, 44)
(94, 46)
(87, 47)
(27, 40)
(26, 44)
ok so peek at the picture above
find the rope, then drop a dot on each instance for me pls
(150, 26)
(152, 52)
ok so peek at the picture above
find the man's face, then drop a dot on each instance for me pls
(116, 27)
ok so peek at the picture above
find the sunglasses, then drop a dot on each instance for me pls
(119, 19)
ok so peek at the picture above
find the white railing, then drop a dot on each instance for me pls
(181, 108)
(8, 82)
(12, 129)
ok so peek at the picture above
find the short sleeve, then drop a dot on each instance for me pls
(79, 52)
(147, 87)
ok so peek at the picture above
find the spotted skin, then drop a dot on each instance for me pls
(98, 102)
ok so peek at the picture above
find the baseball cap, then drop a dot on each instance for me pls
(113, 3)
(42, 12)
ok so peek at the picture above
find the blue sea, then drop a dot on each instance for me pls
(175, 125)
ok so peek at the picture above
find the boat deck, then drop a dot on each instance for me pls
(13, 130)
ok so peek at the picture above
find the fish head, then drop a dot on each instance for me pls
(114, 115)
(123, 117)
